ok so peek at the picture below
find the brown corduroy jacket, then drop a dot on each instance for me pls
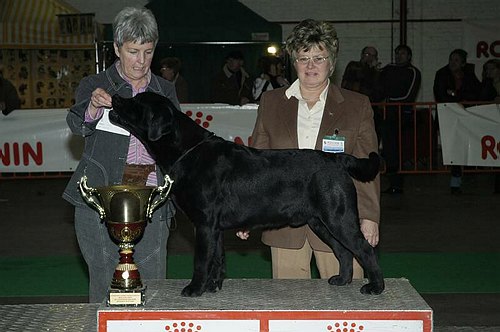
(347, 112)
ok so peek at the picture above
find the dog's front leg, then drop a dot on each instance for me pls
(218, 267)
(203, 261)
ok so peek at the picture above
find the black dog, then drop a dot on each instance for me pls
(222, 185)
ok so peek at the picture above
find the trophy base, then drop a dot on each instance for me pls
(126, 298)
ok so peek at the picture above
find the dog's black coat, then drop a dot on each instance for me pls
(222, 185)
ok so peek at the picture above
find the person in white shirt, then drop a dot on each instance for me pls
(301, 116)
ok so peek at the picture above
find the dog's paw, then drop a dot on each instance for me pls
(192, 291)
(339, 281)
(372, 288)
(213, 285)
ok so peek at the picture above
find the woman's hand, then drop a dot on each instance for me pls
(100, 98)
(243, 234)
(369, 229)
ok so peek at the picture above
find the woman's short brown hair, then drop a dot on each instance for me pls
(310, 33)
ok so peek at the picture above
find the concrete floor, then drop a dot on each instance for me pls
(426, 218)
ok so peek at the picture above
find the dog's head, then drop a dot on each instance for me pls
(148, 116)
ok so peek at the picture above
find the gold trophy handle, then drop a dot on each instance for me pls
(89, 194)
(162, 192)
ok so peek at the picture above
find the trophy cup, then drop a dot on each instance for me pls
(125, 209)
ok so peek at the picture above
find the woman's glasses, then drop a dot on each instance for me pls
(317, 60)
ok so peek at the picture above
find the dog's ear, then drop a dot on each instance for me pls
(162, 121)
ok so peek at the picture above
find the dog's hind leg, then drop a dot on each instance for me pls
(344, 256)
(218, 269)
(368, 260)
(355, 242)
(345, 244)
(345, 266)
(205, 247)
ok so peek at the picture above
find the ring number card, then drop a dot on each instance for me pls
(333, 144)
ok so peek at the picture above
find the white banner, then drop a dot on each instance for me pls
(481, 41)
(470, 136)
(40, 140)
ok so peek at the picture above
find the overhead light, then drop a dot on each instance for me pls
(272, 50)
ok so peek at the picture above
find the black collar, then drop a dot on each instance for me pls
(204, 140)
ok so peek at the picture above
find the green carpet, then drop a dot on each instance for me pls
(427, 272)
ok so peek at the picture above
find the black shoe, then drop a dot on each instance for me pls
(393, 190)
(455, 190)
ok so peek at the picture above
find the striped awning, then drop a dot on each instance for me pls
(44, 24)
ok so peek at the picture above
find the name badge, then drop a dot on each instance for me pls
(333, 144)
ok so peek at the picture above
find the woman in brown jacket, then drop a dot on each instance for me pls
(302, 116)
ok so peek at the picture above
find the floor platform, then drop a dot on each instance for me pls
(266, 305)
(48, 317)
(260, 305)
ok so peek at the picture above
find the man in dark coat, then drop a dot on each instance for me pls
(232, 85)
(400, 83)
(456, 82)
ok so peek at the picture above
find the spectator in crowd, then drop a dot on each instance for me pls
(300, 116)
(111, 158)
(456, 82)
(233, 84)
(271, 76)
(281, 76)
(9, 99)
(400, 84)
(363, 76)
(490, 84)
(170, 68)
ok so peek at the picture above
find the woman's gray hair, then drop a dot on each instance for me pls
(310, 33)
(135, 25)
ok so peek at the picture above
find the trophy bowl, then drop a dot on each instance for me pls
(125, 209)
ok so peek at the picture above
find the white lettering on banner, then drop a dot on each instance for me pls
(40, 140)
(470, 136)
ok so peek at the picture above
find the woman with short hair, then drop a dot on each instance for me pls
(111, 158)
(312, 111)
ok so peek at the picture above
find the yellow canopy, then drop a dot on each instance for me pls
(35, 24)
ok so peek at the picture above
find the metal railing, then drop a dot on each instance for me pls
(416, 128)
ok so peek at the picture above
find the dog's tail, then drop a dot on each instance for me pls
(361, 169)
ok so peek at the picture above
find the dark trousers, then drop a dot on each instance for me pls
(456, 176)
(390, 141)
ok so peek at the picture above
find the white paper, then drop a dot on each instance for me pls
(105, 125)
